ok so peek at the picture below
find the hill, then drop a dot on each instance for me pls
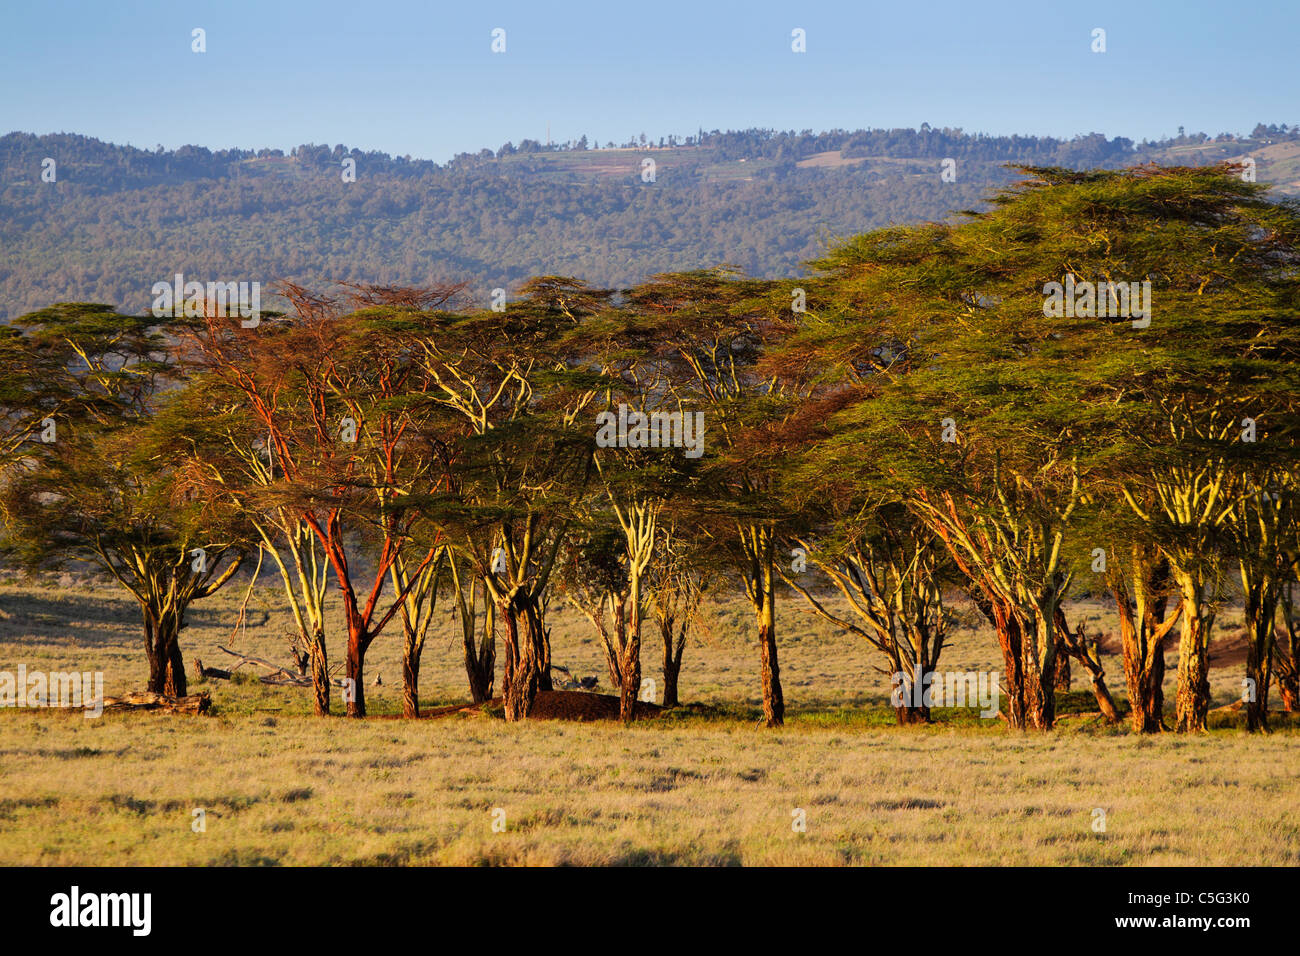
(118, 219)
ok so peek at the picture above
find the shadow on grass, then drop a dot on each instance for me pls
(71, 617)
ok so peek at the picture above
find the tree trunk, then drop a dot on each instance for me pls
(911, 716)
(613, 666)
(911, 707)
(520, 681)
(162, 648)
(1286, 654)
(672, 660)
(1028, 673)
(913, 710)
(354, 671)
(1038, 670)
(631, 687)
(1076, 645)
(1029, 663)
(150, 700)
(1158, 686)
(1290, 690)
(1007, 628)
(1193, 701)
(174, 683)
(513, 697)
(612, 645)
(482, 676)
(1140, 617)
(773, 700)
(1105, 703)
(542, 644)
(411, 680)
(320, 679)
(1063, 678)
(480, 664)
(630, 659)
(1260, 612)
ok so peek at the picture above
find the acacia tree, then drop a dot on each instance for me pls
(479, 640)
(1142, 600)
(339, 395)
(1148, 404)
(854, 527)
(637, 473)
(512, 379)
(1259, 527)
(107, 502)
(104, 489)
(515, 556)
(1216, 366)
(593, 580)
(420, 589)
(227, 457)
(1190, 510)
(1137, 575)
(963, 410)
(711, 330)
(449, 514)
(886, 565)
(679, 581)
(888, 568)
(1005, 529)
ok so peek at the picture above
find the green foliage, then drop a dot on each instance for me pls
(934, 417)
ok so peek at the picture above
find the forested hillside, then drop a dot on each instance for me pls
(117, 219)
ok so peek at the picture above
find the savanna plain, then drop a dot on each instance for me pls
(702, 784)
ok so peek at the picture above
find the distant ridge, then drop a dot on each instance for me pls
(116, 218)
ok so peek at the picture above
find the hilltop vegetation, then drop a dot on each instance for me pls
(118, 219)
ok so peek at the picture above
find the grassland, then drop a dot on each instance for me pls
(279, 786)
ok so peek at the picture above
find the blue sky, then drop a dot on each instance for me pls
(420, 78)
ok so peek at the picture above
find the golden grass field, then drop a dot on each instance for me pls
(280, 786)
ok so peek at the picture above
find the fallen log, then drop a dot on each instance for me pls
(278, 675)
(148, 700)
(211, 672)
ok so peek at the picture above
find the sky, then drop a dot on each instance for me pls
(421, 79)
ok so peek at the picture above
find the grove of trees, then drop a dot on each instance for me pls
(911, 427)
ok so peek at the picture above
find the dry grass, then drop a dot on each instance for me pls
(282, 787)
